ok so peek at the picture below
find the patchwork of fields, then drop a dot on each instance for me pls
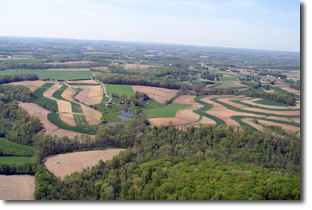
(233, 110)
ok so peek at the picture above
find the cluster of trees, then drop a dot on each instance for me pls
(252, 84)
(18, 125)
(207, 162)
(139, 80)
(19, 169)
(17, 77)
(136, 99)
(14, 152)
(207, 76)
(293, 84)
(16, 92)
(266, 87)
(288, 99)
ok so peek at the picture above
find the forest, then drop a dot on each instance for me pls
(165, 163)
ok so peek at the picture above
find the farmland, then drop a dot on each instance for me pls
(17, 187)
(175, 123)
(66, 164)
(119, 89)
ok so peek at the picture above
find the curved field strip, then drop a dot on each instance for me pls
(65, 112)
(297, 120)
(233, 106)
(291, 90)
(43, 100)
(55, 119)
(251, 123)
(268, 102)
(248, 103)
(206, 107)
(247, 121)
(68, 94)
(49, 92)
(284, 126)
(66, 164)
(280, 90)
(90, 95)
(48, 127)
(92, 116)
(17, 187)
(224, 113)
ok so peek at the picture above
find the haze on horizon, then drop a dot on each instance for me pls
(251, 24)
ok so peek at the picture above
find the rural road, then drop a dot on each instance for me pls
(104, 88)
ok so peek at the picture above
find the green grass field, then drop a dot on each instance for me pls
(231, 78)
(247, 111)
(270, 102)
(120, 89)
(165, 111)
(15, 159)
(57, 75)
(224, 85)
(6, 144)
(280, 90)
(264, 108)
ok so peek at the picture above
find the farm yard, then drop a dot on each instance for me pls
(66, 164)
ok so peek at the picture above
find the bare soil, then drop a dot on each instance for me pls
(68, 94)
(284, 126)
(66, 164)
(93, 116)
(159, 94)
(88, 81)
(90, 95)
(49, 92)
(32, 85)
(17, 187)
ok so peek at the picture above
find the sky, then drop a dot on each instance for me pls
(252, 24)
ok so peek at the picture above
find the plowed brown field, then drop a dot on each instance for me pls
(32, 85)
(66, 164)
(159, 94)
(90, 95)
(17, 187)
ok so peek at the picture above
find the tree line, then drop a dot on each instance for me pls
(17, 77)
(139, 80)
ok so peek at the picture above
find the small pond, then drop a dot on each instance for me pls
(122, 117)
